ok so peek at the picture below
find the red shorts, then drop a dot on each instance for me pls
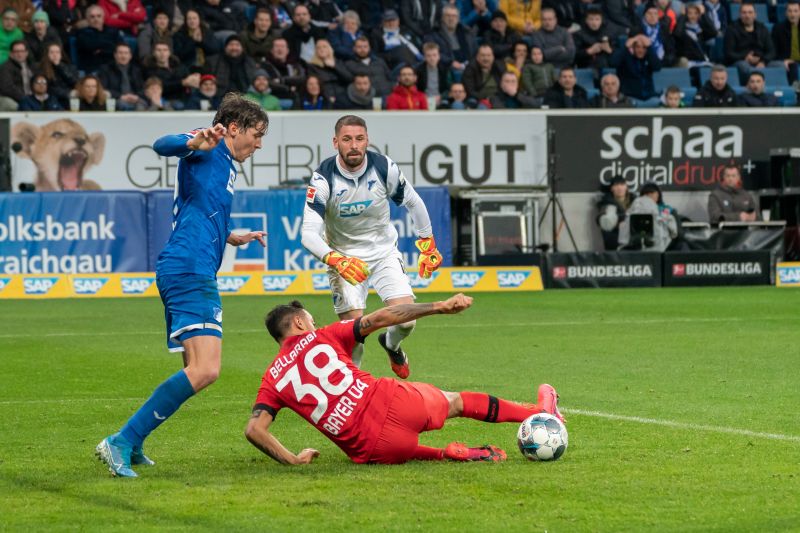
(415, 407)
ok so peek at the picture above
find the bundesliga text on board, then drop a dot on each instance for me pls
(741, 268)
(603, 272)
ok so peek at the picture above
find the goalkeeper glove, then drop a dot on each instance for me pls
(429, 257)
(352, 269)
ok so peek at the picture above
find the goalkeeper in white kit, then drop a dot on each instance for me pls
(346, 225)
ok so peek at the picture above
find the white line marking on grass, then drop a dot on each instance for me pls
(670, 320)
(697, 427)
(229, 399)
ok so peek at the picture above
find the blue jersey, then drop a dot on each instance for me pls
(201, 209)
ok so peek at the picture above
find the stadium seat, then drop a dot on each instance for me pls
(286, 103)
(671, 76)
(250, 12)
(786, 95)
(687, 96)
(780, 13)
(585, 78)
(774, 76)
(762, 13)
(73, 51)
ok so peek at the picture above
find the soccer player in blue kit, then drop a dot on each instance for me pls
(186, 269)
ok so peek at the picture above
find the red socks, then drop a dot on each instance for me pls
(426, 453)
(487, 408)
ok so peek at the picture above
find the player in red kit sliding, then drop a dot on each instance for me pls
(373, 420)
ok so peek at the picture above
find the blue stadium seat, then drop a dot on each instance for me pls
(585, 78)
(774, 76)
(250, 12)
(687, 95)
(762, 13)
(73, 51)
(786, 95)
(672, 76)
(780, 13)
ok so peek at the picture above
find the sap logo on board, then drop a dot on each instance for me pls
(4, 280)
(511, 279)
(136, 285)
(274, 283)
(88, 285)
(231, 284)
(38, 285)
(418, 282)
(466, 279)
(559, 272)
(354, 209)
(320, 282)
(786, 275)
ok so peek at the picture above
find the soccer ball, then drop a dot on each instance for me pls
(542, 437)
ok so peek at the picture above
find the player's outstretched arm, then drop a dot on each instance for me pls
(238, 239)
(398, 314)
(258, 434)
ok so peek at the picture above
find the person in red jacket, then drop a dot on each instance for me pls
(125, 15)
(405, 94)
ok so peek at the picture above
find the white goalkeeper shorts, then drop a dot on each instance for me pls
(387, 276)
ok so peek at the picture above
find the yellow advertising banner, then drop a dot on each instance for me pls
(787, 275)
(478, 279)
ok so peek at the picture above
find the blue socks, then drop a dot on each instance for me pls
(166, 399)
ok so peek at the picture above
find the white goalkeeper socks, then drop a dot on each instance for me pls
(396, 334)
(358, 353)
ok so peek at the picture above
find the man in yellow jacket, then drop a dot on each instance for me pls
(524, 16)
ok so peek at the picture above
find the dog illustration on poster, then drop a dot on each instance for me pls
(62, 152)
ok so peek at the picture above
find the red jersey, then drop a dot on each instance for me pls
(314, 376)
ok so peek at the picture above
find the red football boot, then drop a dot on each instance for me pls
(548, 401)
(458, 451)
(397, 358)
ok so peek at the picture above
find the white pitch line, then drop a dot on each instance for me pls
(674, 424)
(671, 320)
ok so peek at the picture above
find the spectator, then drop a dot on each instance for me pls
(232, 68)
(537, 76)
(207, 96)
(61, 75)
(786, 37)
(194, 41)
(593, 42)
(635, 64)
(499, 36)
(312, 96)
(405, 95)
(154, 96)
(729, 202)
(509, 97)
(123, 15)
(456, 98)
(520, 55)
(456, 43)
(224, 17)
(619, 15)
(175, 10)
(333, 75)
(692, 32)
(665, 221)
(482, 77)
(609, 96)
(302, 36)
(658, 34)
(96, 41)
(672, 98)
(420, 17)
(524, 16)
(555, 41)
(259, 92)
(65, 17)
(281, 14)
(123, 78)
(391, 45)
(716, 92)
(325, 14)
(359, 94)
(665, 12)
(157, 31)
(286, 75)
(718, 15)
(748, 44)
(24, 10)
(755, 95)
(364, 61)
(9, 32)
(433, 78)
(39, 99)
(566, 93)
(477, 14)
(90, 93)
(612, 210)
(257, 38)
(41, 35)
(15, 77)
(176, 79)
(344, 36)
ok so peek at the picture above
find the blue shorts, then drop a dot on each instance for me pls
(191, 308)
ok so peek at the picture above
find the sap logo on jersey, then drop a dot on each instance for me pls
(320, 282)
(511, 279)
(3, 282)
(418, 282)
(38, 285)
(354, 209)
(277, 283)
(231, 283)
(88, 285)
(136, 285)
(466, 279)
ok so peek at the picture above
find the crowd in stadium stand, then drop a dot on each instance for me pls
(406, 54)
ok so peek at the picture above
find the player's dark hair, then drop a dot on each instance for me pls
(279, 319)
(349, 120)
(245, 113)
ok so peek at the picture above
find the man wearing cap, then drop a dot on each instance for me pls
(233, 68)
(302, 36)
(260, 92)
(391, 45)
(122, 78)
(40, 36)
(500, 36)
(207, 96)
(9, 32)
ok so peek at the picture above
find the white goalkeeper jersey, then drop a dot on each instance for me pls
(349, 211)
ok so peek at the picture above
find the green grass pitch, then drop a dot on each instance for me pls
(682, 408)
